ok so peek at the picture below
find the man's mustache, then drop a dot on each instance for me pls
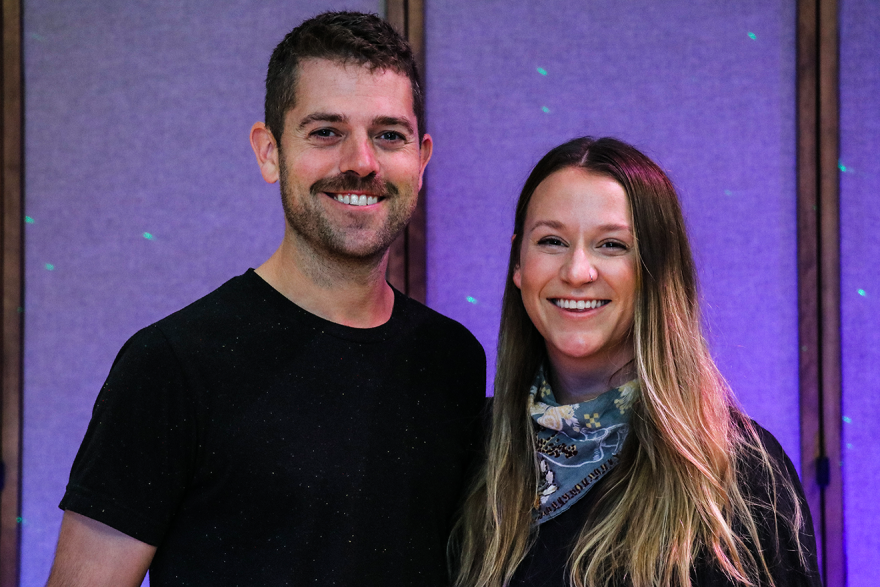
(351, 183)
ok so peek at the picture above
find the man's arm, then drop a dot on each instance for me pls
(92, 554)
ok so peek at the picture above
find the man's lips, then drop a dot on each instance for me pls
(354, 199)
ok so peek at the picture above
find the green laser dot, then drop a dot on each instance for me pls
(50, 266)
(19, 520)
(28, 220)
(471, 299)
(841, 166)
(545, 109)
(863, 293)
(753, 36)
(848, 445)
(148, 236)
(728, 193)
(542, 71)
(847, 419)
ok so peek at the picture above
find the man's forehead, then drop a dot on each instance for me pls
(322, 83)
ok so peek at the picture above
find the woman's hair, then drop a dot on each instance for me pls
(674, 496)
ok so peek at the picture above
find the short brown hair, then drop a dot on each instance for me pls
(345, 37)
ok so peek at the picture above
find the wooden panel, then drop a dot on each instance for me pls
(10, 501)
(819, 278)
(407, 258)
(829, 291)
(808, 259)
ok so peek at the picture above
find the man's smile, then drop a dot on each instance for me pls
(356, 199)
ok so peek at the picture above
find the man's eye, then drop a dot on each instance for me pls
(324, 133)
(391, 136)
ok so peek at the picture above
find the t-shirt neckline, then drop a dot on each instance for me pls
(290, 310)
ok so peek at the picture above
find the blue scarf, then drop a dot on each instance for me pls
(577, 444)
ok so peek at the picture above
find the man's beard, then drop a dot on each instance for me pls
(309, 221)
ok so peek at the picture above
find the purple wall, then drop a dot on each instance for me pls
(706, 88)
(142, 194)
(860, 283)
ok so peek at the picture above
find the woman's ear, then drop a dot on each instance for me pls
(517, 277)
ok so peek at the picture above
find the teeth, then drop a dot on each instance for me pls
(579, 304)
(356, 200)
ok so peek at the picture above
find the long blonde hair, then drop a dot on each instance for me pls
(675, 493)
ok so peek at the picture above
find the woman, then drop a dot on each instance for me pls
(617, 454)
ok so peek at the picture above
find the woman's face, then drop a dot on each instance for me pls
(577, 271)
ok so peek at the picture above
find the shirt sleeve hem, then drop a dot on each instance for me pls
(110, 512)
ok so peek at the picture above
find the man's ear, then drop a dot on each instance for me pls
(266, 149)
(426, 147)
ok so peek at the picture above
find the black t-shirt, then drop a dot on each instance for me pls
(546, 564)
(257, 444)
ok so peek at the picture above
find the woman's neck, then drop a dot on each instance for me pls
(571, 385)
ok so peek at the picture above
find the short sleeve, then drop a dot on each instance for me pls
(137, 456)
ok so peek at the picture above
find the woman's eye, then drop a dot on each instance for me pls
(551, 241)
(613, 245)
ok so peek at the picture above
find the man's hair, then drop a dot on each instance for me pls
(344, 37)
(675, 493)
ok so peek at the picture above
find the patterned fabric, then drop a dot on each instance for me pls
(577, 444)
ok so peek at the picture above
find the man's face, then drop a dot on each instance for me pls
(351, 163)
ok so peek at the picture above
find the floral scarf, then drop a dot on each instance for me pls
(577, 444)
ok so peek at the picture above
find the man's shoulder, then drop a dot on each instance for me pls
(426, 321)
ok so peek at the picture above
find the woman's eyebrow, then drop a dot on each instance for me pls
(554, 224)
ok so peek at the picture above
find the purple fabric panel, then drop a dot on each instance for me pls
(706, 88)
(142, 194)
(860, 283)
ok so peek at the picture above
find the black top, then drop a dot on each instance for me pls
(257, 444)
(546, 564)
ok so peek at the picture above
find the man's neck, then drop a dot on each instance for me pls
(349, 292)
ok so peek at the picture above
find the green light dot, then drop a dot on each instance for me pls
(542, 71)
(847, 419)
(848, 445)
(863, 293)
(148, 236)
(545, 109)
(19, 520)
(728, 193)
(841, 166)
(471, 299)
(28, 220)
(50, 266)
(753, 36)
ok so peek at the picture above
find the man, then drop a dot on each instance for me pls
(304, 423)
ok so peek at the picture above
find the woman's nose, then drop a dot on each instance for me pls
(579, 268)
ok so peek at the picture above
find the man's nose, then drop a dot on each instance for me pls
(359, 157)
(579, 268)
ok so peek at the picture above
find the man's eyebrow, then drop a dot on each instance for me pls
(393, 121)
(320, 117)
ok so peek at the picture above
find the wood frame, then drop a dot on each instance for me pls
(819, 278)
(408, 257)
(12, 263)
